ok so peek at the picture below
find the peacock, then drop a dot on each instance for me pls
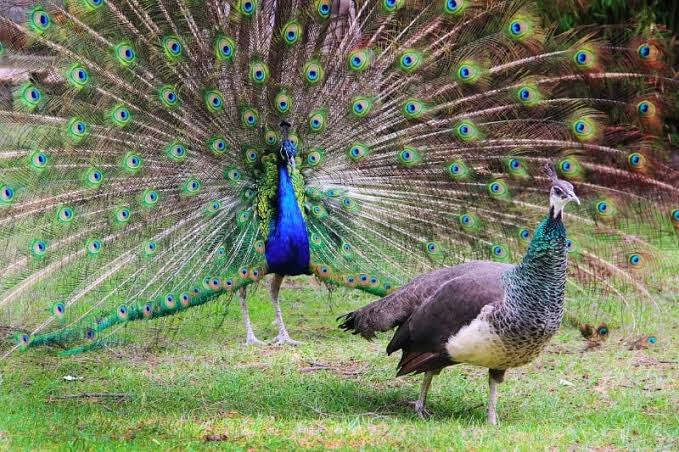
(485, 313)
(156, 155)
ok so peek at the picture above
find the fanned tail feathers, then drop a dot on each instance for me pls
(137, 177)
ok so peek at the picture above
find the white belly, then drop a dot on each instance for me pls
(477, 344)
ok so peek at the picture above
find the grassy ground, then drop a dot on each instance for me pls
(200, 388)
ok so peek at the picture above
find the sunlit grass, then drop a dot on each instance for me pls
(199, 387)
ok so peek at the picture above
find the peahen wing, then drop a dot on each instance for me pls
(138, 178)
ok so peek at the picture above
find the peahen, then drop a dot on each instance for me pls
(485, 313)
(174, 151)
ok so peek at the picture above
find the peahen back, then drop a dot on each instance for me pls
(139, 177)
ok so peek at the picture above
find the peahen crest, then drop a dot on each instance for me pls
(141, 176)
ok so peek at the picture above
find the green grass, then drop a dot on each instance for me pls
(200, 383)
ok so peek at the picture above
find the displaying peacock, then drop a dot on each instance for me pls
(174, 151)
(485, 313)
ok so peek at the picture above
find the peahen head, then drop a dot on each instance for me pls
(561, 193)
(288, 148)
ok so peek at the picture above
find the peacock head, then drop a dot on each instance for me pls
(288, 148)
(561, 193)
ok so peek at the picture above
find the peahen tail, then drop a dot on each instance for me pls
(138, 173)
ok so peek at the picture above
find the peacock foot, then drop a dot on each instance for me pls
(285, 339)
(420, 409)
(252, 340)
(492, 418)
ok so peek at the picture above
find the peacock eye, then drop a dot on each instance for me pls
(558, 191)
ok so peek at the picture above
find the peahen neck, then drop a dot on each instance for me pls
(536, 287)
(287, 247)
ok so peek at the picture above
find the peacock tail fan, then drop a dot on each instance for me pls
(138, 177)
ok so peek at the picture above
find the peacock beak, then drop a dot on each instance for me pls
(575, 198)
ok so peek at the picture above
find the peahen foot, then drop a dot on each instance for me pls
(252, 340)
(420, 409)
(285, 339)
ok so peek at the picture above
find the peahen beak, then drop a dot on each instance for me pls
(575, 198)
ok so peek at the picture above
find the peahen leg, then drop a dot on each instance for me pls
(250, 335)
(495, 376)
(424, 390)
(283, 336)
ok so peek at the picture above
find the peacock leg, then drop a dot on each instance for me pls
(495, 376)
(424, 390)
(283, 336)
(250, 335)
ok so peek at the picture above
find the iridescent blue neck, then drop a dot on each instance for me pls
(287, 247)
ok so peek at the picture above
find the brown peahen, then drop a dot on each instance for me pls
(171, 152)
(483, 313)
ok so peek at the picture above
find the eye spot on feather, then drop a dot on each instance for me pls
(571, 246)
(125, 54)
(458, 170)
(466, 131)
(454, 7)
(648, 52)
(674, 215)
(391, 6)
(24, 340)
(224, 48)
(228, 284)
(498, 189)
(635, 260)
(38, 248)
(122, 312)
(7, 194)
(323, 8)
(636, 161)
(38, 20)
(646, 109)
(259, 73)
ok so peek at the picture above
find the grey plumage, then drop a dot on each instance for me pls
(488, 314)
